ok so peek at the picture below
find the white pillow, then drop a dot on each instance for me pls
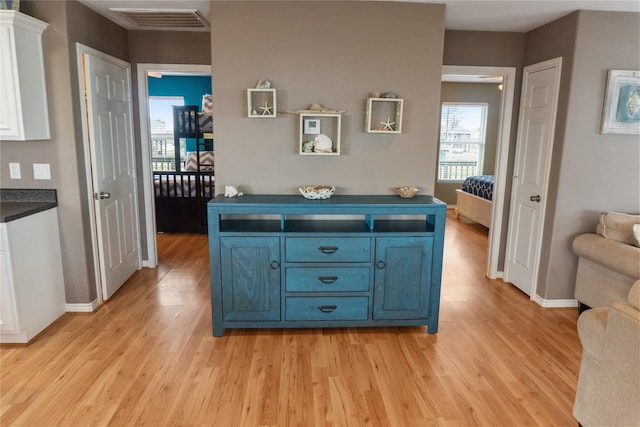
(636, 234)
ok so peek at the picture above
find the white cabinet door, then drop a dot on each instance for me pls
(8, 309)
(32, 294)
(23, 111)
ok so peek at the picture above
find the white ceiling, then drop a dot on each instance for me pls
(478, 15)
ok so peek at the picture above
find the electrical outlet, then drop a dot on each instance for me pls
(41, 171)
(14, 171)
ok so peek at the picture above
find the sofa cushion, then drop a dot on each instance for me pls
(618, 226)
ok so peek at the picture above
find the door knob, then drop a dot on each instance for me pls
(535, 198)
(102, 195)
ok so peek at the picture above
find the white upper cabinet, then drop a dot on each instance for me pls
(23, 110)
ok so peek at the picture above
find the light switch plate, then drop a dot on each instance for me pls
(41, 171)
(14, 171)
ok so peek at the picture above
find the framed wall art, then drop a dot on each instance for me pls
(621, 113)
(312, 126)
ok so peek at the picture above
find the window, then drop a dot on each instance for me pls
(163, 156)
(462, 140)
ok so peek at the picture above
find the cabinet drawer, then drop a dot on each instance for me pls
(327, 279)
(328, 249)
(327, 308)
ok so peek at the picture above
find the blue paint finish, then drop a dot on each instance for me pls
(191, 88)
(314, 272)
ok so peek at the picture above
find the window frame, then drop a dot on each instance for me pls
(481, 144)
(177, 99)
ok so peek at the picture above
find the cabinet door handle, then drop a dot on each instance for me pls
(327, 308)
(380, 265)
(328, 249)
(275, 265)
(327, 280)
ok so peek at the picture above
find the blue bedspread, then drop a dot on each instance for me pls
(481, 186)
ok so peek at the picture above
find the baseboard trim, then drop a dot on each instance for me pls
(89, 307)
(499, 275)
(555, 303)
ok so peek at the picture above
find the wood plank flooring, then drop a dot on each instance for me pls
(147, 357)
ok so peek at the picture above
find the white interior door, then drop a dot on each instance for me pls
(108, 94)
(534, 144)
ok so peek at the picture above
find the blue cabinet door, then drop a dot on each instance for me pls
(402, 277)
(251, 276)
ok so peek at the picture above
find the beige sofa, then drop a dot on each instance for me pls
(608, 392)
(609, 260)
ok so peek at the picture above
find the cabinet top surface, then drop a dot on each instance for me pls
(362, 201)
(18, 203)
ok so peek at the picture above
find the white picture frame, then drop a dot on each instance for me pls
(311, 126)
(621, 112)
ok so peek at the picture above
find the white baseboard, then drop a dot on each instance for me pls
(499, 275)
(89, 307)
(555, 303)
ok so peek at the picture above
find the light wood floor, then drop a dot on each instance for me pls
(147, 357)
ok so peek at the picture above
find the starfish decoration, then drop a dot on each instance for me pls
(388, 125)
(266, 110)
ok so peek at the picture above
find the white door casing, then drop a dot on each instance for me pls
(496, 231)
(113, 174)
(536, 128)
(147, 174)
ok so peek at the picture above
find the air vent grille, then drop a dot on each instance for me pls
(163, 18)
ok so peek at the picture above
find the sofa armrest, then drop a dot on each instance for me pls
(634, 295)
(617, 256)
(592, 327)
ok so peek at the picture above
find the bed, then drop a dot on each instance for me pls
(474, 199)
(181, 200)
(181, 196)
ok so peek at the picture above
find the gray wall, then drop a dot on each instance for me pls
(368, 46)
(473, 92)
(69, 22)
(591, 172)
(371, 46)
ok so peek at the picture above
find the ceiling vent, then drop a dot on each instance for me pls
(163, 18)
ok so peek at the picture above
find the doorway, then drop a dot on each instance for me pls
(145, 70)
(508, 76)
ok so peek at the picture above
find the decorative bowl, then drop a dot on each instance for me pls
(407, 192)
(316, 191)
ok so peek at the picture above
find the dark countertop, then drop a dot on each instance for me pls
(18, 203)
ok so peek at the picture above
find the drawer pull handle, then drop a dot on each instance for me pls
(275, 265)
(327, 280)
(327, 308)
(380, 265)
(328, 249)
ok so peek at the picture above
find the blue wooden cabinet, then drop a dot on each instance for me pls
(252, 278)
(282, 261)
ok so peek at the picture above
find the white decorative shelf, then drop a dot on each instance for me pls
(262, 103)
(384, 115)
(319, 134)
